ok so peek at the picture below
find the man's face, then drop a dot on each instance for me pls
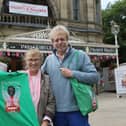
(60, 42)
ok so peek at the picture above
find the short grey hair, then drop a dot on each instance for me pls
(33, 52)
(59, 28)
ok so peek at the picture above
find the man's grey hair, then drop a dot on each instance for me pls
(59, 28)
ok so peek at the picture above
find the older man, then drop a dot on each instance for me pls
(59, 68)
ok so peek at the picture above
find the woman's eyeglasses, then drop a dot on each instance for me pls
(34, 60)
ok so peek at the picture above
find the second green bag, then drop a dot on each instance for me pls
(16, 106)
(85, 97)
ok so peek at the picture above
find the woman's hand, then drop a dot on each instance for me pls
(45, 123)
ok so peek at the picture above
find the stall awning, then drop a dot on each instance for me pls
(39, 39)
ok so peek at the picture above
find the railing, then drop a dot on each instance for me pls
(26, 20)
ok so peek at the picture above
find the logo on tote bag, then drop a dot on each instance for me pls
(11, 95)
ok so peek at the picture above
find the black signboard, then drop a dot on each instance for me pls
(101, 50)
(47, 47)
(26, 46)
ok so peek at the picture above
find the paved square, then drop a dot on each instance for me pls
(111, 111)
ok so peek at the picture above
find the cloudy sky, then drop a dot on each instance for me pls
(105, 2)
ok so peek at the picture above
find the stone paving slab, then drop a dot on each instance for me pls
(111, 111)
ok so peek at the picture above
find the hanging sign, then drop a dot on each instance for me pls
(101, 50)
(29, 9)
(27, 46)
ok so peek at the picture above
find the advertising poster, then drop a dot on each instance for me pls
(120, 78)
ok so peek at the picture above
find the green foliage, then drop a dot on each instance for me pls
(116, 12)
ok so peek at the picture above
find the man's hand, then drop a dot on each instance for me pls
(66, 72)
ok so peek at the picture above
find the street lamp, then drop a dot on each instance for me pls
(115, 30)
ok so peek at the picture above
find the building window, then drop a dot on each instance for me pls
(98, 11)
(5, 6)
(76, 9)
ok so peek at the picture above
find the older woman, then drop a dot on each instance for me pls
(42, 96)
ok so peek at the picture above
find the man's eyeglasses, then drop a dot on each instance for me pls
(59, 39)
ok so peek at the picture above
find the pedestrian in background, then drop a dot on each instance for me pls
(40, 88)
(56, 66)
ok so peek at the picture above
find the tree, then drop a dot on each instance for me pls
(116, 12)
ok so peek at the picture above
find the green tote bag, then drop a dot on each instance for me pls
(16, 107)
(84, 94)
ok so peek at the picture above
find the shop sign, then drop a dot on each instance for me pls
(26, 46)
(101, 50)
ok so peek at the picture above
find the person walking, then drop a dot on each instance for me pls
(56, 66)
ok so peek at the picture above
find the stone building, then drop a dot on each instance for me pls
(82, 17)
(26, 23)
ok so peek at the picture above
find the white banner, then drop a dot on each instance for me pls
(28, 9)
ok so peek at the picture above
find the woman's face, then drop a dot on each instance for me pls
(33, 63)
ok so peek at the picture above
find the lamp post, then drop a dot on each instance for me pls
(115, 30)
